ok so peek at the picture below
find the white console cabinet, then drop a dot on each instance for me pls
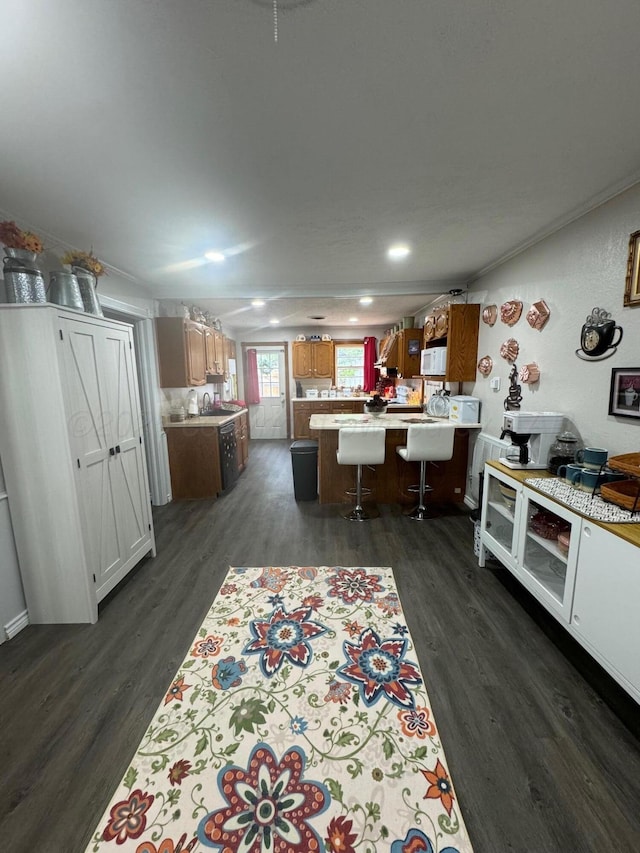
(594, 590)
(72, 450)
(605, 604)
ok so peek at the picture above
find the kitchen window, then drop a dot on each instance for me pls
(349, 364)
(268, 374)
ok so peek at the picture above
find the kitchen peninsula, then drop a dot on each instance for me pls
(390, 480)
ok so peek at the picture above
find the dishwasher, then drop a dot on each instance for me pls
(228, 455)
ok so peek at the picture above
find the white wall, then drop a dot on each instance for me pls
(581, 266)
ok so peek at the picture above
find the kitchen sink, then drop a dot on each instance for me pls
(218, 413)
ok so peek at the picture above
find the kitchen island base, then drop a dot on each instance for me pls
(391, 480)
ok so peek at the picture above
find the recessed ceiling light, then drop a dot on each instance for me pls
(398, 252)
(366, 300)
(217, 257)
(353, 319)
(258, 303)
(274, 322)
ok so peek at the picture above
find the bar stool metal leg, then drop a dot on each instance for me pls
(359, 513)
(420, 512)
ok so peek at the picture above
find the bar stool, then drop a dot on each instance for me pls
(426, 443)
(361, 446)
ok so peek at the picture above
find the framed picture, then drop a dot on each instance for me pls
(632, 283)
(624, 397)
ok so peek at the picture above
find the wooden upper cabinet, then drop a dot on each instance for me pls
(211, 366)
(181, 352)
(455, 327)
(313, 359)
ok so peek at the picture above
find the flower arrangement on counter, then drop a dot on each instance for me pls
(86, 260)
(15, 238)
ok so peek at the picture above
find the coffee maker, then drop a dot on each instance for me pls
(531, 434)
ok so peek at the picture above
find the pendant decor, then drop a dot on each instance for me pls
(538, 315)
(23, 280)
(510, 349)
(597, 336)
(510, 312)
(514, 398)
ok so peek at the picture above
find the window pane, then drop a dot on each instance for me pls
(349, 364)
(268, 374)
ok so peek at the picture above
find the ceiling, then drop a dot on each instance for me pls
(156, 130)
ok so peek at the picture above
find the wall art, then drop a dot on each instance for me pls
(632, 282)
(510, 349)
(510, 312)
(529, 373)
(597, 336)
(490, 314)
(624, 395)
(538, 315)
(485, 365)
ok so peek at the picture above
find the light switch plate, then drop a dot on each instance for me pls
(494, 384)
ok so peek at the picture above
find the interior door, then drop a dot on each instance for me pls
(267, 418)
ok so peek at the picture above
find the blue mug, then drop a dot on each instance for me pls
(592, 457)
(589, 480)
(569, 473)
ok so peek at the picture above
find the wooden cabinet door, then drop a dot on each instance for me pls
(408, 362)
(195, 350)
(323, 359)
(210, 351)
(302, 364)
(301, 415)
(219, 347)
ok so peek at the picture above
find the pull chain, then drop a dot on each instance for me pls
(275, 20)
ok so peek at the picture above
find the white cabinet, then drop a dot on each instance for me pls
(71, 446)
(605, 605)
(594, 589)
(500, 518)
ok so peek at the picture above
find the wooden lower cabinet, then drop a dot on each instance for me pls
(194, 462)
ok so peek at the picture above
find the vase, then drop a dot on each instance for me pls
(24, 282)
(64, 290)
(88, 283)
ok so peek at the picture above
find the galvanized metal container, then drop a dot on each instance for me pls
(64, 290)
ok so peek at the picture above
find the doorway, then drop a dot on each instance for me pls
(268, 419)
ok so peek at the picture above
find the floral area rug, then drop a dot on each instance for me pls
(298, 722)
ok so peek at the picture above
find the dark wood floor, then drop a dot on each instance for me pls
(540, 762)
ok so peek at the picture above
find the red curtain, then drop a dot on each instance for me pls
(370, 372)
(252, 391)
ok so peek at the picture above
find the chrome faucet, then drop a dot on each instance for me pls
(206, 406)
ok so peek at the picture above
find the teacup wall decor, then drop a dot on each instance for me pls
(597, 336)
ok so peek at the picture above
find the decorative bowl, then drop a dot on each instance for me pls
(508, 496)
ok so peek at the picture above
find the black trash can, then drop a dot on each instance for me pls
(304, 462)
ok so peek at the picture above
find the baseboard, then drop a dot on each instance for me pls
(16, 624)
(469, 501)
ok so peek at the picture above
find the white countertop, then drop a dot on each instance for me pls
(388, 421)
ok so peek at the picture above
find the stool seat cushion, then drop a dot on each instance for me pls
(361, 445)
(428, 442)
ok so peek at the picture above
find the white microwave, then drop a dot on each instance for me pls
(433, 361)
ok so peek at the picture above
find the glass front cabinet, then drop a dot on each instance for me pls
(520, 527)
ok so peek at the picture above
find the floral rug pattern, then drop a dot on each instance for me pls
(298, 722)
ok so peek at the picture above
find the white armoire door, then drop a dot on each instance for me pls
(101, 398)
(124, 426)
